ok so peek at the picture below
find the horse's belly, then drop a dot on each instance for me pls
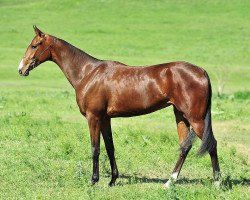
(131, 109)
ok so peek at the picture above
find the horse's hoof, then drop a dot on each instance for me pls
(168, 184)
(113, 179)
(94, 180)
(111, 184)
(217, 184)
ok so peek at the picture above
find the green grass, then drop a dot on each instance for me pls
(45, 150)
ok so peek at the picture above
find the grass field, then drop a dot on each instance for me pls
(45, 150)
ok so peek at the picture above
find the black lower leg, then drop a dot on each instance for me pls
(95, 157)
(215, 163)
(94, 128)
(108, 140)
(182, 157)
(114, 172)
(178, 166)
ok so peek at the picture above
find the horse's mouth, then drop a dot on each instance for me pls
(26, 73)
(31, 66)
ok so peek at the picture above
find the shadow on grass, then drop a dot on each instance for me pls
(141, 179)
(226, 184)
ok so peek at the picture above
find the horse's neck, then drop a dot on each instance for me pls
(74, 63)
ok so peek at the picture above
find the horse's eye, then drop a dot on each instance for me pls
(33, 46)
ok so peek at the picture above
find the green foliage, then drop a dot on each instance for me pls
(242, 95)
(45, 148)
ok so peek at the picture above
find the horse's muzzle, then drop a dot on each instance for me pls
(26, 73)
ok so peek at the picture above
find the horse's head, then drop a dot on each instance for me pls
(37, 52)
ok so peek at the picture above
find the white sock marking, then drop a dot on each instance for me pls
(174, 175)
(171, 180)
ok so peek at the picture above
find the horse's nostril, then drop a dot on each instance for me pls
(20, 71)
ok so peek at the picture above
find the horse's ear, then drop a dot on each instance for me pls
(38, 32)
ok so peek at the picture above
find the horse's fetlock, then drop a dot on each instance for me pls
(115, 174)
(95, 178)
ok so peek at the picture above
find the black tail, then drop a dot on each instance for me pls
(208, 140)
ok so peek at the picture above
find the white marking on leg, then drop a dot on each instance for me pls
(171, 180)
(20, 65)
(168, 183)
(217, 184)
(174, 175)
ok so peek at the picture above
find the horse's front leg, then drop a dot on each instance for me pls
(108, 140)
(94, 123)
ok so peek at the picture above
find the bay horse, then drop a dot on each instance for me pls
(108, 89)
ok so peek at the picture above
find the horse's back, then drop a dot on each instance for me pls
(146, 89)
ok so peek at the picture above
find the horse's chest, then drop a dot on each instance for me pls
(81, 105)
(91, 103)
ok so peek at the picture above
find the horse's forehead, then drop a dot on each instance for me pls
(36, 39)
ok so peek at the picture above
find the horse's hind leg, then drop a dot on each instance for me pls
(209, 145)
(215, 165)
(186, 136)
